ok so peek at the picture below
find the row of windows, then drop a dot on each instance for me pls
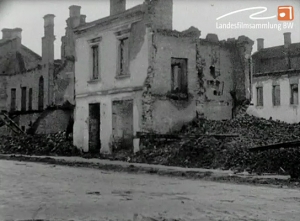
(294, 97)
(13, 97)
(123, 58)
(178, 66)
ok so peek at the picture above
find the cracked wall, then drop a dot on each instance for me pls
(215, 69)
(161, 113)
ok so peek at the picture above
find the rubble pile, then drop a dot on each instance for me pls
(50, 145)
(195, 150)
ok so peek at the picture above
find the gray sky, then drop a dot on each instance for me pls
(28, 15)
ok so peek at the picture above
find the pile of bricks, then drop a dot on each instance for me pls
(201, 151)
(50, 145)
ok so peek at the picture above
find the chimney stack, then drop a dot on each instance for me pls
(75, 17)
(160, 13)
(117, 6)
(48, 39)
(287, 39)
(74, 11)
(260, 44)
(16, 34)
(6, 33)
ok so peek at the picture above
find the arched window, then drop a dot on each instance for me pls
(41, 94)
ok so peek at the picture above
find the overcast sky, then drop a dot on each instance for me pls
(28, 15)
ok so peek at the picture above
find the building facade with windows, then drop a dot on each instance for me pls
(30, 83)
(133, 72)
(276, 74)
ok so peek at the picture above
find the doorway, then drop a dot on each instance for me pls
(94, 128)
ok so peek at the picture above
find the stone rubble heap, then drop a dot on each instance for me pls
(49, 145)
(228, 153)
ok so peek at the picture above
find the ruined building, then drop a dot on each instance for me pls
(35, 89)
(276, 74)
(133, 72)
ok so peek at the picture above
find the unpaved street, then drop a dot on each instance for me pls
(40, 191)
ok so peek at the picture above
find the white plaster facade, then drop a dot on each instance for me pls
(286, 111)
(108, 87)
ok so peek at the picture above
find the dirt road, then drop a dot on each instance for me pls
(40, 191)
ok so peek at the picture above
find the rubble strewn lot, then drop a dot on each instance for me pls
(229, 153)
(51, 144)
(193, 150)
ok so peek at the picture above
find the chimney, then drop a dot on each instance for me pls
(48, 39)
(160, 13)
(74, 11)
(287, 39)
(75, 16)
(260, 44)
(6, 33)
(117, 6)
(15, 33)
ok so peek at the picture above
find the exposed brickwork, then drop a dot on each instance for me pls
(55, 121)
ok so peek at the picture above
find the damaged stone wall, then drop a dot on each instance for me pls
(3, 94)
(55, 121)
(161, 111)
(64, 83)
(216, 69)
(29, 80)
(214, 101)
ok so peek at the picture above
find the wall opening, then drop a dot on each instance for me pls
(30, 99)
(179, 75)
(95, 52)
(23, 99)
(94, 128)
(212, 70)
(122, 124)
(123, 56)
(216, 86)
(13, 99)
(260, 97)
(294, 94)
(41, 94)
(276, 95)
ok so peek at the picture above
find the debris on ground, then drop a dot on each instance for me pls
(38, 144)
(210, 152)
(203, 144)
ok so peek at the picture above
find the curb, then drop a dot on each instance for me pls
(208, 175)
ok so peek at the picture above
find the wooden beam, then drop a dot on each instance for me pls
(178, 137)
(290, 144)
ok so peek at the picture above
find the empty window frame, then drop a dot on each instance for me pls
(30, 99)
(179, 75)
(260, 96)
(123, 56)
(276, 95)
(294, 94)
(13, 99)
(95, 62)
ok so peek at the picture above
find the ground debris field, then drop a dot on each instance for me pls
(193, 150)
(226, 153)
(31, 191)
